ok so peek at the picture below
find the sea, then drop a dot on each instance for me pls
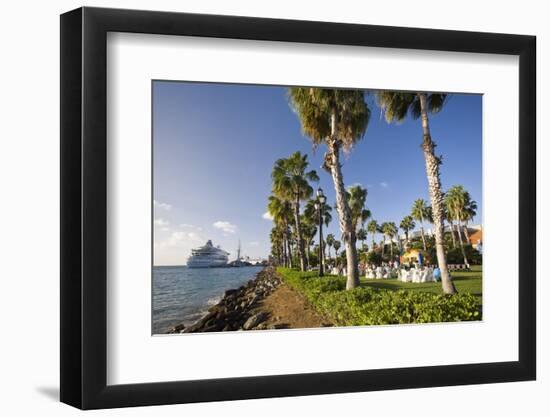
(183, 295)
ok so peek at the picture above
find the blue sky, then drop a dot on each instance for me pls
(215, 144)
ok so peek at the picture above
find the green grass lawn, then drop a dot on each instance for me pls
(465, 282)
(388, 301)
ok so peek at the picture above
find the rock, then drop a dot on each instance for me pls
(229, 293)
(261, 326)
(255, 320)
(179, 328)
(214, 309)
(213, 325)
(232, 316)
(191, 329)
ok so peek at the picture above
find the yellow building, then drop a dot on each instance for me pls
(412, 256)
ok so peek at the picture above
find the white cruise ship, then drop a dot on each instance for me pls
(207, 256)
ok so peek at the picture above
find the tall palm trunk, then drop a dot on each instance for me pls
(288, 249)
(372, 244)
(436, 196)
(391, 247)
(344, 213)
(461, 242)
(466, 233)
(459, 232)
(422, 232)
(452, 233)
(300, 243)
(383, 244)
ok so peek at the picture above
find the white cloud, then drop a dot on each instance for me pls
(178, 238)
(384, 184)
(225, 226)
(254, 243)
(190, 226)
(161, 222)
(267, 216)
(162, 206)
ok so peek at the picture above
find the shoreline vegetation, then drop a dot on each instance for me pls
(284, 298)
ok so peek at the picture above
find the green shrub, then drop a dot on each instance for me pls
(370, 306)
(454, 256)
(374, 258)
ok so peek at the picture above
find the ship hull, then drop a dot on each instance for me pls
(206, 265)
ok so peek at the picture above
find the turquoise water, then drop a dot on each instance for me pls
(183, 295)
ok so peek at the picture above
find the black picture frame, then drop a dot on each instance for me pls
(84, 207)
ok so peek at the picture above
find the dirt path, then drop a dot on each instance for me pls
(288, 310)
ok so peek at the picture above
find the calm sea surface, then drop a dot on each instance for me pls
(183, 295)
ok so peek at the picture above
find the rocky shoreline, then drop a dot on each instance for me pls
(235, 310)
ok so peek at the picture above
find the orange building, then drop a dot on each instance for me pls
(476, 238)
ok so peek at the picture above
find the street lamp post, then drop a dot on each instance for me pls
(319, 205)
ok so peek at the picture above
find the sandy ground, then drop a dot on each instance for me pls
(289, 310)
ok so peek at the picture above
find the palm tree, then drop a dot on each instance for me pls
(420, 212)
(389, 229)
(458, 200)
(362, 235)
(396, 106)
(407, 224)
(312, 215)
(309, 230)
(449, 219)
(455, 199)
(470, 210)
(365, 215)
(277, 246)
(337, 246)
(382, 229)
(330, 241)
(281, 211)
(357, 196)
(372, 228)
(337, 118)
(291, 183)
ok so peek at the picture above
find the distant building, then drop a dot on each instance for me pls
(411, 256)
(476, 239)
(417, 234)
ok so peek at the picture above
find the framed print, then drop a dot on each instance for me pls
(257, 208)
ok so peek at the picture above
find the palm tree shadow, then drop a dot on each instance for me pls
(50, 392)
